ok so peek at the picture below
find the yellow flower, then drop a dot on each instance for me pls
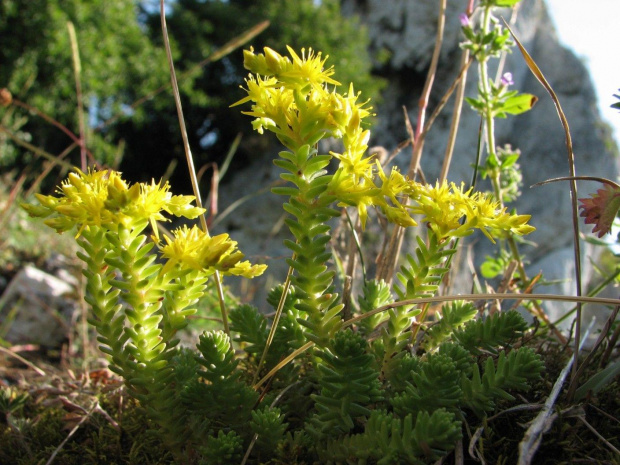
(350, 191)
(194, 249)
(346, 113)
(152, 199)
(104, 199)
(352, 160)
(450, 211)
(291, 99)
(299, 73)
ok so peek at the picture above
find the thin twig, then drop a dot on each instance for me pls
(604, 413)
(444, 100)
(516, 408)
(71, 433)
(598, 435)
(456, 118)
(53, 122)
(38, 370)
(34, 149)
(385, 270)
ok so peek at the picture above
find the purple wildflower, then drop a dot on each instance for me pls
(506, 79)
(464, 19)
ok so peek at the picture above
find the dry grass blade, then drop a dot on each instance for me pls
(190, 161)
(573, 191)
(276, 320)
(282, 364)
(77, 71)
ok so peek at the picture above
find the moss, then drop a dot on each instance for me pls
(95, 442)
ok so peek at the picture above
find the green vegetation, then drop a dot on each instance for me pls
(382, 370)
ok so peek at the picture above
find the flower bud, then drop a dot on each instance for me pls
(464, 19)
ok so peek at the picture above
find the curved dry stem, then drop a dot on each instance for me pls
(609, 182)
(573, 190)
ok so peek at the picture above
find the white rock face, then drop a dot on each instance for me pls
(538, 133)
(37, 308)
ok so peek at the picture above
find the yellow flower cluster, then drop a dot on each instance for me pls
(291, 98)
(104, 199)
(192, 248)
(450, 211)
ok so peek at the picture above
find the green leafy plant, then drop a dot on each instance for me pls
(383, 398)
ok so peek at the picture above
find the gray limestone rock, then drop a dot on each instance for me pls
(37, 308)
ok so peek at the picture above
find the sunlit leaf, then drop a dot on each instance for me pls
(506, 3)
(519, 104)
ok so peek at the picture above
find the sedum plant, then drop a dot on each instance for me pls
(369, 389)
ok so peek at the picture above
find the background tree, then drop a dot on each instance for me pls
(198, 28)
(123, 60)
(118, 61)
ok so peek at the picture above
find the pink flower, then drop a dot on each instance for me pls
(464, 19)
(506, 79)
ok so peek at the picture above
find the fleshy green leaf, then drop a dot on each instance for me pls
(506, 3)
(518, 104)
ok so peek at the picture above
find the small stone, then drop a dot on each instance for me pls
(37, 308)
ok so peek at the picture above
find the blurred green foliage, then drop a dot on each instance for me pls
(123, 60)
(118, 61)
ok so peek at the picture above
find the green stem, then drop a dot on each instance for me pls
(310, 204)
(107, 318)
(484, 83)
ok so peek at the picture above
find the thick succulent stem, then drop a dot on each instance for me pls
(309, 203)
